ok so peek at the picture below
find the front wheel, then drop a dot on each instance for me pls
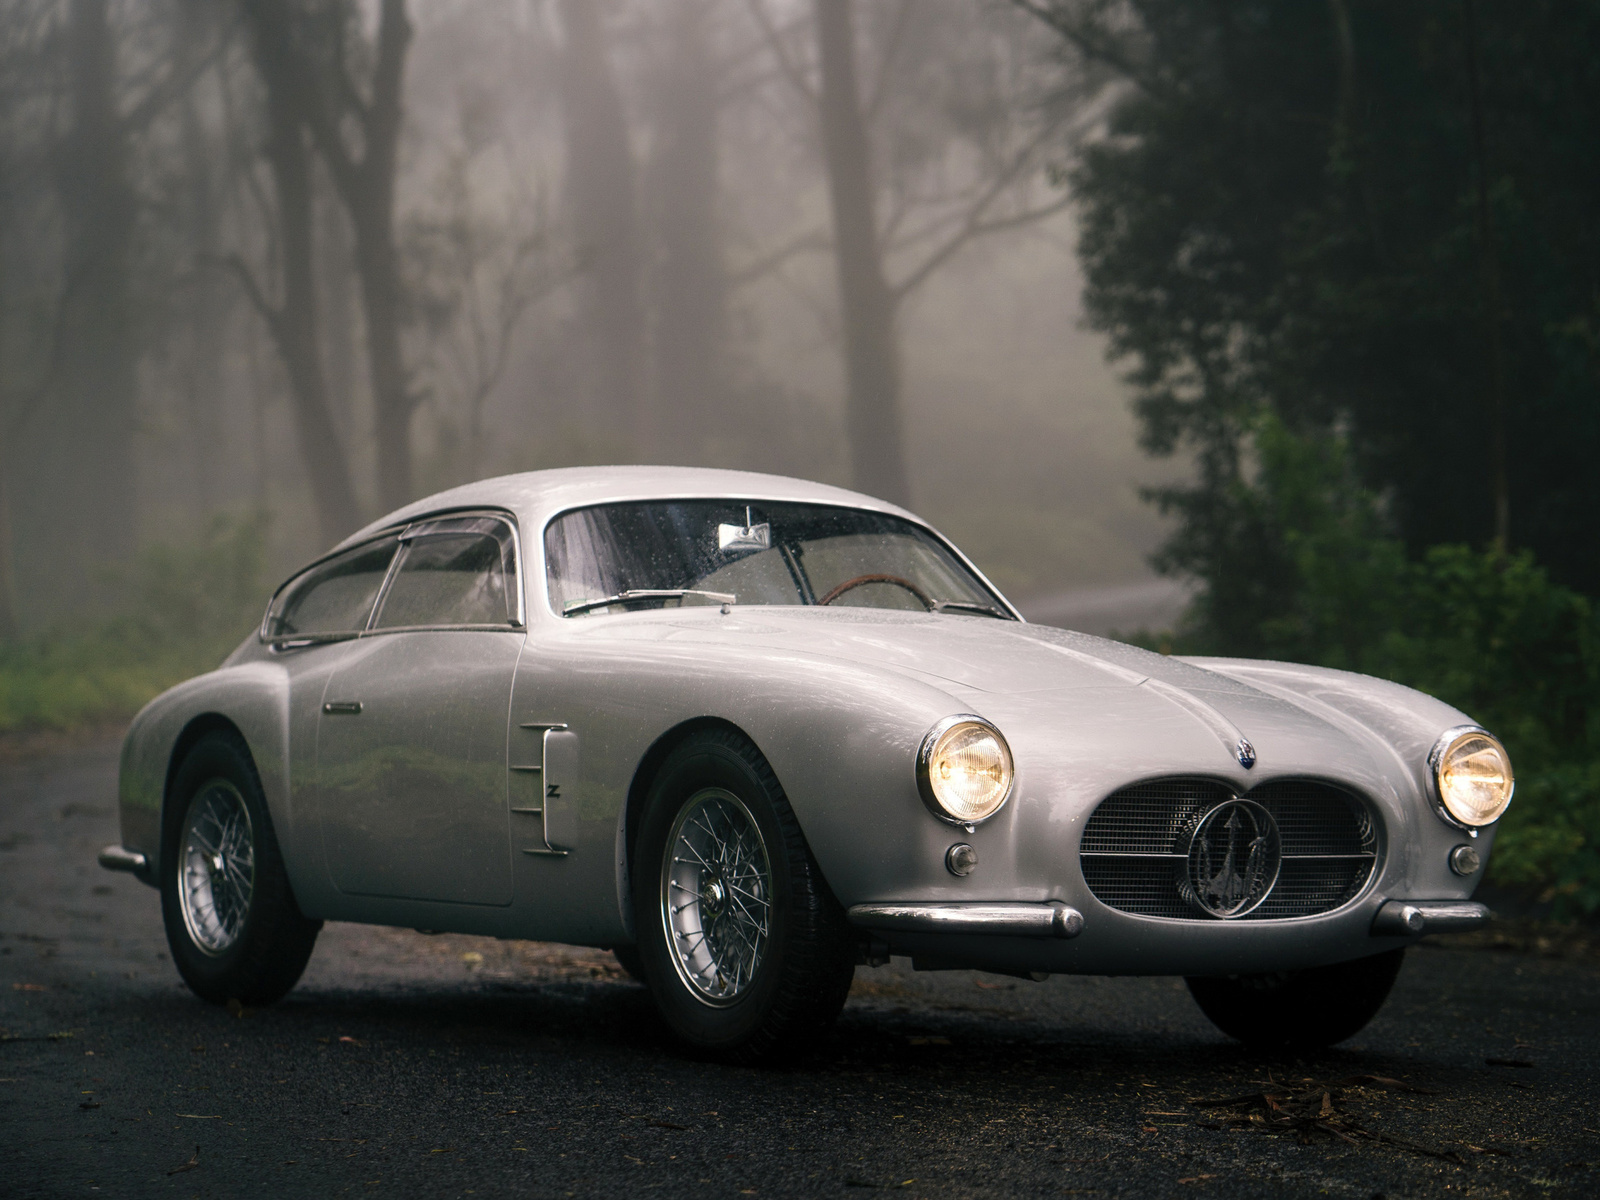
(744, 948)
(1305, 1009)
(232, 923)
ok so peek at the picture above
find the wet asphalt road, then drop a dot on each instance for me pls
(407, 1065)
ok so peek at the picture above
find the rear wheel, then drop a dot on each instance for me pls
(232, 923)
(1304, 1009)
(745, 950)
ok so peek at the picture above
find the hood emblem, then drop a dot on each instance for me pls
(1233, 860)
(1245, 753)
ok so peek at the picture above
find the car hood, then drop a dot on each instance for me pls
(978, 653)
(1048, 687)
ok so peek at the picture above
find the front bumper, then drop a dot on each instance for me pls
(120, 858)
(996, 920)
(1054, 937)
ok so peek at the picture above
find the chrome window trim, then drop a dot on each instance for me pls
(402, 532)
(299, 641)
(955, 551)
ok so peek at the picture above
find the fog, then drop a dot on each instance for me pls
(316, 259)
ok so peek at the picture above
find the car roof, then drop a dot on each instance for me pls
(536, 496)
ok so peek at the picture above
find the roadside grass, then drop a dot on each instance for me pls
(186, 609)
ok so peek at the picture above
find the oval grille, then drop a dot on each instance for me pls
(1134, 852)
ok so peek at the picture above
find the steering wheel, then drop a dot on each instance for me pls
(860, 580)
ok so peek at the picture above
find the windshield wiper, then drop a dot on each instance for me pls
(987, 610)
(647, 594)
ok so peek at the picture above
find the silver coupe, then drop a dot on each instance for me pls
(751, 733)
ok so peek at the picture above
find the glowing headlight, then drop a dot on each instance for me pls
(964, 770)
(1473, 775)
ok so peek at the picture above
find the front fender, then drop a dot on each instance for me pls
(252, 698)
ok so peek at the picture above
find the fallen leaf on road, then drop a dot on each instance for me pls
(188, 1166)
(443, 1150)
(1196, 1178)
(1312, 1108)
(350, 1041)
(236, 1007)
(29, 987)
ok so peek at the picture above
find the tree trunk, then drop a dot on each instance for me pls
(688, 288)
(294, 323)
(296, 330)
(368, 192)
(867, 305)
(207, 315)
(601, 201)
(89, 434)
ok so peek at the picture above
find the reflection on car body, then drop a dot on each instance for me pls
(751, 733)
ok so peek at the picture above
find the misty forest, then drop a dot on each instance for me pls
(1294, 302)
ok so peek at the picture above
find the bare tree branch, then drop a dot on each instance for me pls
(972, 223)
(240, 270)
(1094, 42)
(774, 36)
(806, 243)
(970, 231)
(178, 79)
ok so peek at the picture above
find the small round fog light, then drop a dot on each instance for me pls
(1464, 860)
(960, 859)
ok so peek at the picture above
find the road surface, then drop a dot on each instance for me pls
(407, 1065)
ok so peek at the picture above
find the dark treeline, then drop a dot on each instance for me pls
(319, 257)
(1371, 221)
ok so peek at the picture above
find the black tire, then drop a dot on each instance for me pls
(261, 945)
(801, 968)
(1302, 1010)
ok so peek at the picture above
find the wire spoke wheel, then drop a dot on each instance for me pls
(216, 866)
(716, 896)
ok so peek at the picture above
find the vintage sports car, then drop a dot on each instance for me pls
(752, 732)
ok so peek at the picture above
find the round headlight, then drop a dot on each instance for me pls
(964, 770)
(1473, 775)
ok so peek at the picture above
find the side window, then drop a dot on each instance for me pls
(455, 572)
(333, 597)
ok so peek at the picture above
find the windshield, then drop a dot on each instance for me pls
(620, 557)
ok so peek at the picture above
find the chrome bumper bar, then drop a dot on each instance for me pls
(1413, 918)
(999, 919)
(120, 858)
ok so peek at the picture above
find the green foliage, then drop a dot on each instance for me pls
(1286, 217)
(184, 610)
(1485, 631)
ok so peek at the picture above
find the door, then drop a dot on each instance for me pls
(411, 740)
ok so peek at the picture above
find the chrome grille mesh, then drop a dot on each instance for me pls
(1133, 851)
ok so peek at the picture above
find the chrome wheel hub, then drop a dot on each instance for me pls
(216, 866)
(716, 896)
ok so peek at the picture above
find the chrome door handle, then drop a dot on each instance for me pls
(336, 708)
